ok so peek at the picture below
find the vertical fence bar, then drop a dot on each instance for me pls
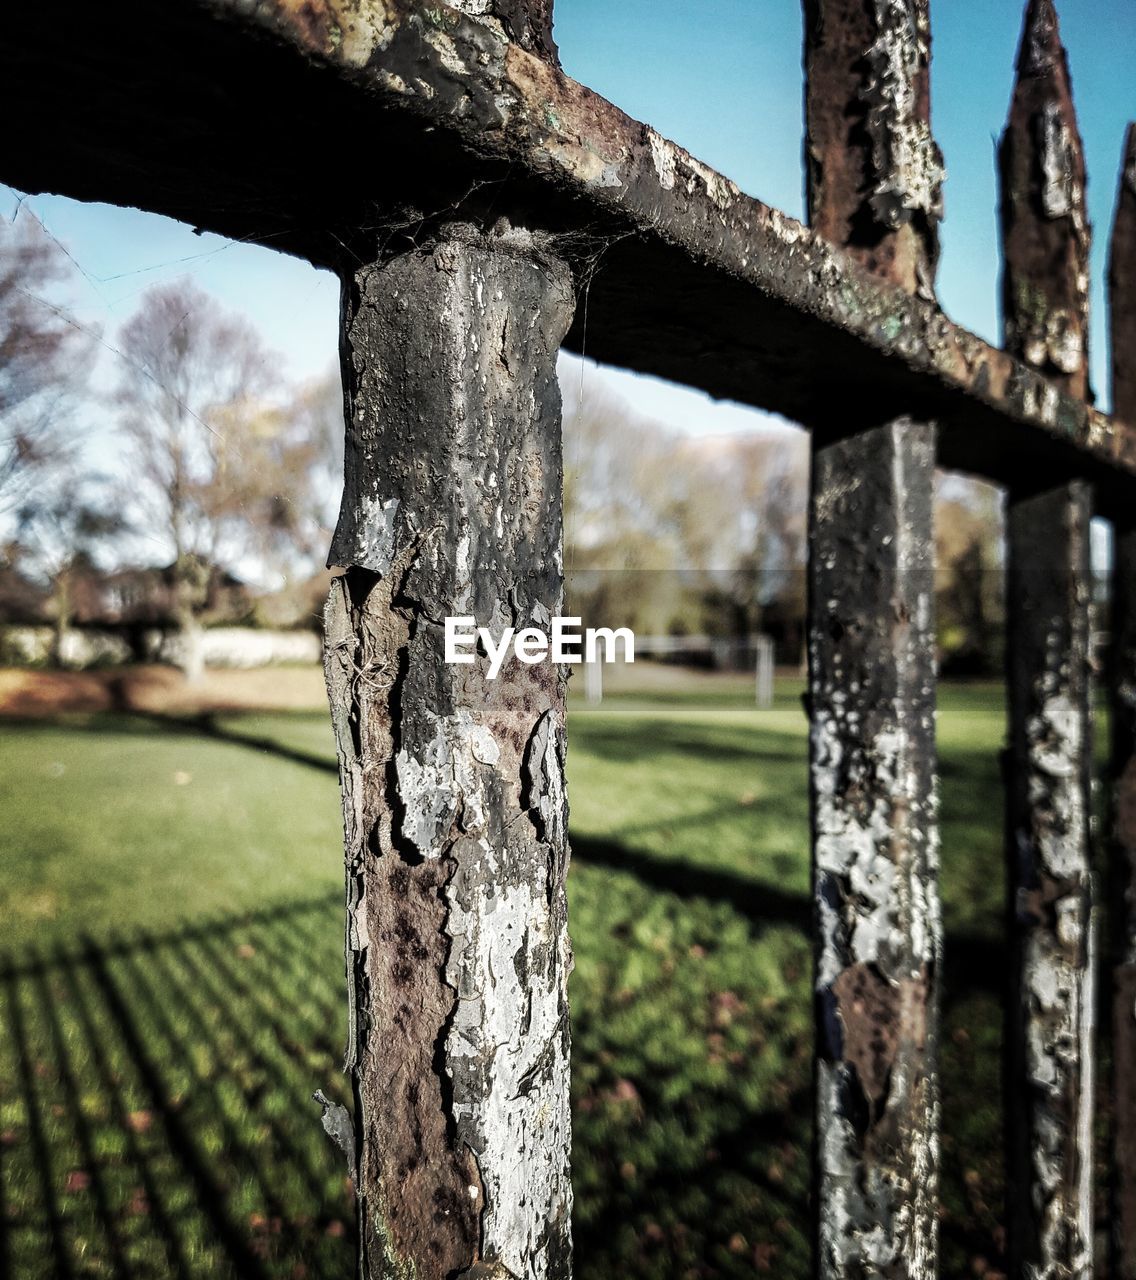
(453, 791)
(1122, 692)
(1050, 1012)
(875, 189)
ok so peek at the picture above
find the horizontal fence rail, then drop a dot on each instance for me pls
(744, 303)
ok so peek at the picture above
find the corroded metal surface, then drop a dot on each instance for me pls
(1045, 229)
(455, 811)
(1050, 1011)
(745, 302)
(874, 184)
(875, 172)
(875, 852)
(1122, 690)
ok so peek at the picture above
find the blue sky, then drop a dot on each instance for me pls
(729, 88)
(723, 79)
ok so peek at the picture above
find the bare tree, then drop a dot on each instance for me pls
(724, 516)
(293, 473)
(194, 409)
(288, 485)
(62, 526)
(968, 581)
(762, 481)
(44, 356)
(622, 542)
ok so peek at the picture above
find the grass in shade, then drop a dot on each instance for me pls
(172, 990)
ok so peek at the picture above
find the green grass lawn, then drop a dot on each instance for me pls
(172, 991)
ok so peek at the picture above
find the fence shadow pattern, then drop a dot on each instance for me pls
(156, 1115)
(155, 1095)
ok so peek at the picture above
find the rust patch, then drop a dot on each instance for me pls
(1045, 228)
(423, 1182)
(311, 20)
(417, 1174)
(876, 1016)
(874, 172)
(423, 1176)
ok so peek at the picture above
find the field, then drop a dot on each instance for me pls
(172, 989)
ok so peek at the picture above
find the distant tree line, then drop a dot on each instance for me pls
(680, 535)
(219, 506)
(228, 471)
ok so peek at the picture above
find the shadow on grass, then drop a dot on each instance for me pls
(722, 744)
(974, 961)
(204, 724)
(157, 1109)
(207, 724)
(159, 1117)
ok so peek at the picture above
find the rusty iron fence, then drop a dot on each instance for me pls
(468, 193)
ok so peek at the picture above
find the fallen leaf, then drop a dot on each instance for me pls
(140, 1121)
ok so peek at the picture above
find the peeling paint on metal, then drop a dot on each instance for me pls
(442, 781)
(1059, 195)
(1050, 1032)
(574, 161)
(1050, 1043)
(662, 157)
(454, 805)
(367, 537)
(906, 159)
(1045, 228)
(875, 850)
(336, 1121)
